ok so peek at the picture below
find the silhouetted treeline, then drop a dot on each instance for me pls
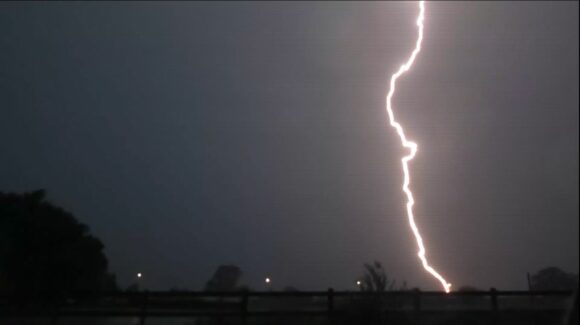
(553, 278)
(45, 253)
(225, 278)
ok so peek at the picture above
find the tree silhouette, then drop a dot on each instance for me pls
(553, 278)
(225, 278)
(375, 279)
(45, 252)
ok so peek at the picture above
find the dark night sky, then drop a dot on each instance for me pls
(191, 134)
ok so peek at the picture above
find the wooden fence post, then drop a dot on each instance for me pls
(144, 308)
(494, 305)
(417, 305)
(330, 303)
(244, 307)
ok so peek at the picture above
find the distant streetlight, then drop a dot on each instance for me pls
(358, 283)
(138, 281)
(268, 282)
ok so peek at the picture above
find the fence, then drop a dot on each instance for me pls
(331, 305)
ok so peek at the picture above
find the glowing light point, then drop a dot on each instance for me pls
(412, 146)
(267, 280)
(139, 275)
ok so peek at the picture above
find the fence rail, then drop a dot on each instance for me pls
(249, 304)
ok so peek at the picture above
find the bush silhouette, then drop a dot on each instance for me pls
(45, 252)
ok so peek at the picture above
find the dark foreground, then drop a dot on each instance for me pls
(280, 308)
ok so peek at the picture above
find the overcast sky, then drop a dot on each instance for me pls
(190, 134)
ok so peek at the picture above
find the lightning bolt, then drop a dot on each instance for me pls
(412, 146)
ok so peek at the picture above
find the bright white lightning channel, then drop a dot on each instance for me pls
(412, 146)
